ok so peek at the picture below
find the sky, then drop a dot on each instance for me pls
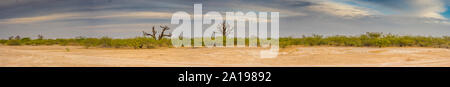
(128, 18)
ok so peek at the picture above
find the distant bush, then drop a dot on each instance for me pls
(90, 42)
(38, 42)
(382, 42)
(106, 42)
(364, 40)
(143, 42)
(136, 42)
(164, 42)
(62, 42)
(50, 42)
(13, 43)
(3, 41)
(119, 43)
(368, 40)
(26, 39)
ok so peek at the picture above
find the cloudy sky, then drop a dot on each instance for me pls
(127, 18)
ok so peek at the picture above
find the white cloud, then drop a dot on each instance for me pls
(412, 8)
(283, 13)
(429, 8)
(147, 14)
(38, 18)
(339, 9)
(117, 28)
(87, 15)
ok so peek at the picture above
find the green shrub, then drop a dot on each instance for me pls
(164, 42)
(50, 42)
(368, 40)
(119, 43)
(137, 42)
(62, 42)
(406, 41)
(26, 39)
(106, 42)
(13, 43)
(39, 42)
(90, 42)
(3, 41)
(374, 34)
(382, 42)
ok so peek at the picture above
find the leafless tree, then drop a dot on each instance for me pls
(154, 33)
(11, 38)
(225, 29)
(17, 37)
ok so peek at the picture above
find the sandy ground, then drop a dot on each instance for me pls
(58, 56)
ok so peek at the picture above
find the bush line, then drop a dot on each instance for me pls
(370, 39)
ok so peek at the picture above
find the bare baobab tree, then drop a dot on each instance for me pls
(154, 33)
(17, 37)
(11, 38)
(224, 29)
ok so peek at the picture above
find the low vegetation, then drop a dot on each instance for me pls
(365, 40)
(369, 40)
(104, 42)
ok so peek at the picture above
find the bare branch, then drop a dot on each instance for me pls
(154, 33)
(225, 29)
(164, 29)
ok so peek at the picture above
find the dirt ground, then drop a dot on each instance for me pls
(75, 56)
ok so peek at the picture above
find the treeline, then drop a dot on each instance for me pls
(370, 39)
(104, 42)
